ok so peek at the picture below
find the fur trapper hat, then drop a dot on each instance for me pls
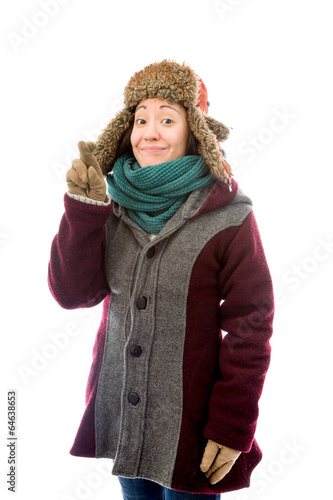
(171, 82)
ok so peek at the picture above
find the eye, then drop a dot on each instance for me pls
(140, 121)
(167, 121)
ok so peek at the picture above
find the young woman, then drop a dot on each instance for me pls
(174, 252)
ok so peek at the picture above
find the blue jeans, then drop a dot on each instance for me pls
(142, 489)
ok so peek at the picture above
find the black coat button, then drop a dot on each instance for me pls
(133, 398)
(141, 303)
(136, 351)
(151, 252)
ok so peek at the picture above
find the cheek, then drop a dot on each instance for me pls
(180, 137)
(134, 138)
(183, 138)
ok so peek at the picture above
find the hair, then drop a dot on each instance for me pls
(125, 146)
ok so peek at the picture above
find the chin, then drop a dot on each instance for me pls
(151, 162)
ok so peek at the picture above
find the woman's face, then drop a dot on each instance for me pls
(160, 132)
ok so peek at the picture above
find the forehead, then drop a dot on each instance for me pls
(155, 104)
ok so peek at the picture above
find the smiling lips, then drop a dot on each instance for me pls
(152, 149)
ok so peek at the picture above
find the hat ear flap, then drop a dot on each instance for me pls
(219, 130)
(108, 141)
(208, 146)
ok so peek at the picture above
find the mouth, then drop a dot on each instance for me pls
(152, 149)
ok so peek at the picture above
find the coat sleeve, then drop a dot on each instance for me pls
(76, 273)
(246, 318)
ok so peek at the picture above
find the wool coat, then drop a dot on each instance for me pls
(183, 348)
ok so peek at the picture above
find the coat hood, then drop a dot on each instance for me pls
(218, 197)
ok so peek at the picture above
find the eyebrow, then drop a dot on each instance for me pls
(163, 106)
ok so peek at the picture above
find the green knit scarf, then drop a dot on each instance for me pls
(153, 194)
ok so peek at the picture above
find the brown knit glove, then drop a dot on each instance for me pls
(85, 177)
(217, 461)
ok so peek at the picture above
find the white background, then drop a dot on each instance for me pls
(64, 66)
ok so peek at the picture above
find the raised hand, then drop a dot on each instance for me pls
(85, 177)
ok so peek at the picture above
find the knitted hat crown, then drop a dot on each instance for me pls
(172, 82)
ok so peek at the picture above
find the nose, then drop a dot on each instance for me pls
(151, 132)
